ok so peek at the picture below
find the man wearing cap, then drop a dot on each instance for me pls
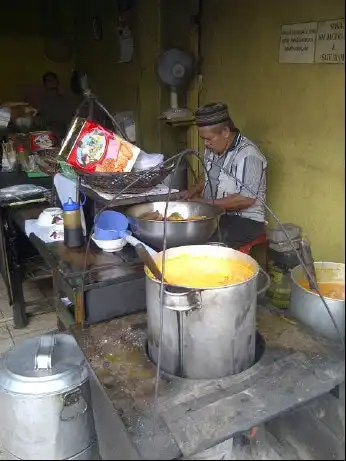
(236, 179)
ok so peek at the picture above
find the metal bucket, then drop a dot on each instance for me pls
(207, 333)
(45, 401)
(307, 306)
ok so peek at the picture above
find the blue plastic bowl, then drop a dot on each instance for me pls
(109, 225)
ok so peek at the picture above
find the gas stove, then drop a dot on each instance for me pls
(198, 419)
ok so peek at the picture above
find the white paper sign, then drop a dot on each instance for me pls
(126, 44)
(330, 42)
(297, 43)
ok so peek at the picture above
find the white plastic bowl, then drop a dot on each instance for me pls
(110, 246)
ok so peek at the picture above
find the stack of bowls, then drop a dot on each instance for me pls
(107, 231)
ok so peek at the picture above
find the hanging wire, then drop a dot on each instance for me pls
(90, 99)
(162, 284)
(179, 158)
(291, 243)
(113, 203)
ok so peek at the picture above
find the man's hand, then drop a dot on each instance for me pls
(187, 194)
(194, 191)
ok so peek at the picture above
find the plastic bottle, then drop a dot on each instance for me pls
(23, 157)
(73, 231)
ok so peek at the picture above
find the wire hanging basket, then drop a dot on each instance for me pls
(113, 183)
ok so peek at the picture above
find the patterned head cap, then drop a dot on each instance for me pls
(213, 114)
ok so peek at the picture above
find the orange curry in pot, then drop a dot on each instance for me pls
(334, 290)
(204, 271)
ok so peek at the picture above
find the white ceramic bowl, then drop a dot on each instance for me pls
(48, 216)
(110, 246)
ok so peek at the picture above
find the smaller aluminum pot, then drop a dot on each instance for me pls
(307, 306)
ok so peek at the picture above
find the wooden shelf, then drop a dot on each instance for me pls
(179, 122)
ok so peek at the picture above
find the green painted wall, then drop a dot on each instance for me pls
(23, 61)
(124, 86)
(294, 112)
(135, 86)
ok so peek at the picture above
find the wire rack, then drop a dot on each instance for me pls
(134, 182)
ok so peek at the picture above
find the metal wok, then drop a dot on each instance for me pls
(179, 233)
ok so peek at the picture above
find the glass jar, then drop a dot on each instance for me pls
(281, 259)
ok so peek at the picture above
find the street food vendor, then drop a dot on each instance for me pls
(237, 171)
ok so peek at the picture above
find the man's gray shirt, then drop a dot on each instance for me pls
(240, 170)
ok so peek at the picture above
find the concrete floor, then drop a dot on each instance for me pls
(39, 323)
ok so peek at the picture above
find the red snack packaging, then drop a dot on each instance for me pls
(90, 147)
(40, 140)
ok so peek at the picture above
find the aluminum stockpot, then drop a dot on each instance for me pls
(45, 401)
(178, 232)
(307, 307)
(207, 333)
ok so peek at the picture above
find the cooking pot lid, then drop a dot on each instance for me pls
(46, 364)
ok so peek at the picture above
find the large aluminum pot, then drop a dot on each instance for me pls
(179, 233)
(207, 333)
(45, 401)
(307, 306)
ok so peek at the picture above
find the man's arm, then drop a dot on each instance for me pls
(195, 191)
(232, 202)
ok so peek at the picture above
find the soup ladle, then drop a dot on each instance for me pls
(149, 261)
(305, 250)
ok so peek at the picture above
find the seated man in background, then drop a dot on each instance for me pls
(13, 110)
(237, 174)
(54, 107)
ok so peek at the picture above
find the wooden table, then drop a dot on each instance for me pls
(103, 271)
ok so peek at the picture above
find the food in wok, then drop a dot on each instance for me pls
(157, 216)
